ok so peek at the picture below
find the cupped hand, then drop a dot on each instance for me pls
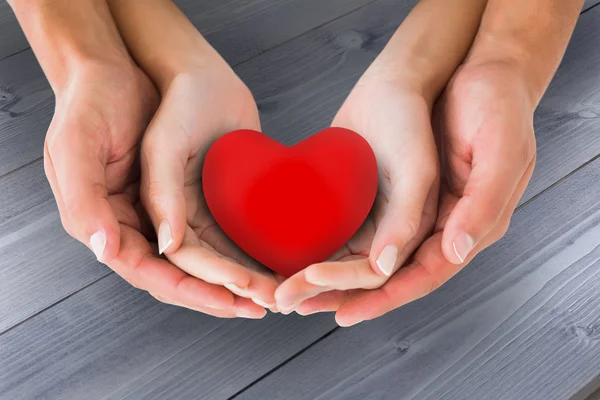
(198, 107)
(91, 161)
(485, 124)
(395, 120)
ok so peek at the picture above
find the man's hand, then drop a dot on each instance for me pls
(485, 126)
(104, 103)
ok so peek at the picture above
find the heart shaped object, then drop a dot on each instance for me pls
(290, 206)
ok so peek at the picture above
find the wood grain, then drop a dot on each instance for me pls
(589, 4)
(101, 342)
(39, 263)
(109, 339)
(239, 30)
(520, 322)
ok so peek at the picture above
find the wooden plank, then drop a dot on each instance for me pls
(39, 263)
(26, 108)
(338, 52)
(27, 102)
(304, 98)
(589, 4)
(239, 29)
(12, 39)
(32, 119)
(519, 322)
(566, 122)
(99, 340)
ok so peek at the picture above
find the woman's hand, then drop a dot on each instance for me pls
(391, 107)
(202, 99)
(395, 120)
(196, 109)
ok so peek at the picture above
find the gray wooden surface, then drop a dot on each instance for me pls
(520, 322)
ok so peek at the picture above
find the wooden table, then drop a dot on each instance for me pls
(521, 322)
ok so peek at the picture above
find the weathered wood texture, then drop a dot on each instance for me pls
(67, 337)
(521, 322)
(252, 25)
(589, 4)
(111, 337)
(239, 29)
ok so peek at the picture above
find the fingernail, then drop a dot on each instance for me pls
(97, 243)
(286, 310)
(348, 325)
(387, 259)
(165, 237)
(262, 303)
(235, 289)
(463, 244)
(307, 313)
(245, 314)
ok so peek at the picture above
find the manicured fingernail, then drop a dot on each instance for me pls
(235, 289)
(97, 243)
(262, 303)
(286, 310)
(307, 313)
(387, 259)
(349, 324)
(165, 237)
(463, 244)
(245, 314)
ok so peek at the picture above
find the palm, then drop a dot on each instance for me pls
(396, 127)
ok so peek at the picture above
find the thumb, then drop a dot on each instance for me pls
(405, 222)
(164, 158)
(490, 186)
(75, 167)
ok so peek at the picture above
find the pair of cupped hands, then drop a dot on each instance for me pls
(125, 163)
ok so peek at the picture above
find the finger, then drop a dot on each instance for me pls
(406, 285)
(242, 308)
(164, 157)
(294, 291)
(413, 188)
(429, 271)
(324, 302)
(493, 180)
(137, 264)
(203, 263)
(75, 166)
(344, 275)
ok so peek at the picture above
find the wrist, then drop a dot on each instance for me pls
(527, 37)
(163, 41)
(67, 35)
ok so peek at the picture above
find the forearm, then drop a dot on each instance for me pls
(161, 39)
(530, 36)
(430, 44)
(65, 33)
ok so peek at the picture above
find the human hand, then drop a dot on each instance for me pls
(391, 106)
(395, 119)
(198, 107)
(485, 122)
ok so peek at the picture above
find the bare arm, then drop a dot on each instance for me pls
(529, 35)
(63, 34)
(161, 38)
(431, 43)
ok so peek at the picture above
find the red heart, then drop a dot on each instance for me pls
(289, 207)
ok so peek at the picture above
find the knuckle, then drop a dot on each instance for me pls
(501, 230)
(410, 226)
